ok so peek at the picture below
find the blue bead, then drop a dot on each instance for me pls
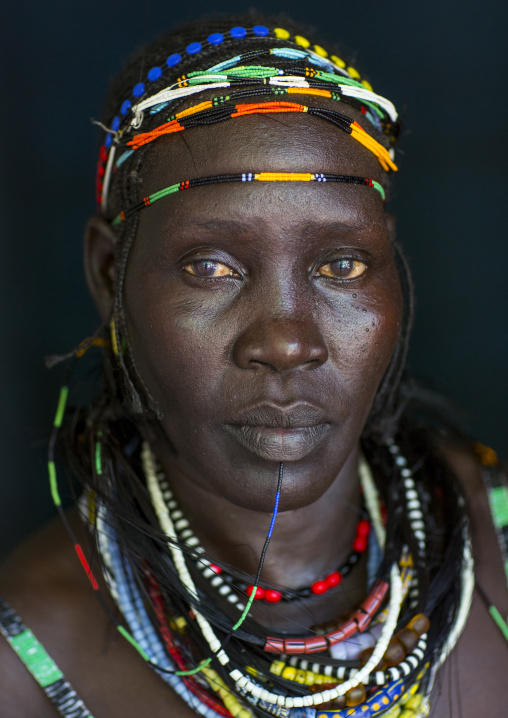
(238, 32)
(154, 74)
(108, 140)
(139, 90)
(216, 38)
(126, 106)
(173, 60)
(116, 123)
(260, 30)
(193, 48)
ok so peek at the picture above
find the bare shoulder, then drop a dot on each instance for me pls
(45, 584)
(472, 680)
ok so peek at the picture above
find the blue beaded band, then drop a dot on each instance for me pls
(217, 38)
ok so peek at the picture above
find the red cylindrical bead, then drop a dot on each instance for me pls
(274, 645)
(360, 544)
(215, 569)
(362, 619)
(363, 528)
(260, 592)
(334, 579)
(319, 587)
(272, 596)
(315, 644)
(294, 645)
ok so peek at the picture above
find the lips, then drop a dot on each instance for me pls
(280, 433)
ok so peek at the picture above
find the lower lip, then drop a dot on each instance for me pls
(276, 444)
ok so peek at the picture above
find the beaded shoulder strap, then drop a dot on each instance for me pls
(496, 484)
(42, 667)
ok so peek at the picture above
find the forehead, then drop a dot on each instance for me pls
(280, 142)
(262, 143)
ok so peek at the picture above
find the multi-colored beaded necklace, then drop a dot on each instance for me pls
(392, 671)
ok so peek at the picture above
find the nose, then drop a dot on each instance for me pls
(281, 344)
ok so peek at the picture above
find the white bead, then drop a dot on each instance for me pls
(339, 652)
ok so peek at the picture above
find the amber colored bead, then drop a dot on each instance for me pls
(419, 623)
(409, 639)
(355, 696)
(394, 654)
(366, 654)
(338, 703)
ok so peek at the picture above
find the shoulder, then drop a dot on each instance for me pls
(45, 584)
(473, 678)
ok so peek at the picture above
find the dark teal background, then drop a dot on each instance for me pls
(445, 67)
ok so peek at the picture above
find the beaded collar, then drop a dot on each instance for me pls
(338, 683)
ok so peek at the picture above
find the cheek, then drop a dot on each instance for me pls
(362, 334)
(179, 346)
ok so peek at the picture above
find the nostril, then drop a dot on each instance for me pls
(280, 346)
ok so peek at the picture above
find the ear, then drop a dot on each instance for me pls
(100, 257)
(391, 225)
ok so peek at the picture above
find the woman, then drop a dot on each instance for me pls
(266, 521)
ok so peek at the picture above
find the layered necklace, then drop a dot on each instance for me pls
(381, 659)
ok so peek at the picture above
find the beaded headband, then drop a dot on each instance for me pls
(323, 75)
(245, 177)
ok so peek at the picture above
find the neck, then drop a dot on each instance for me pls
(306, 545)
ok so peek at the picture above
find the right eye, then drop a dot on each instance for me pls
(209, 269)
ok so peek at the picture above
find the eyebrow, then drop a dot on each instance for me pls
(232, 225)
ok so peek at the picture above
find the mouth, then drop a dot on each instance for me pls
(280, 433)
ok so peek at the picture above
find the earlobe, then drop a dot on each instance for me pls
(99, 259)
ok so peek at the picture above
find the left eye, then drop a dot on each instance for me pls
(209, 269)
(342, 269)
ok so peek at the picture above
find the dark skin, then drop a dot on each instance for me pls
(273, 326)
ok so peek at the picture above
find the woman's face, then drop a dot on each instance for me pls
(262, 317)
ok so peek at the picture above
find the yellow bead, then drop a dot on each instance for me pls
(289, 673)
(302, 41)
(281, 33)
(338, 61)
(180, 623)
(393, 712)
(277, 667)
(300, 676)
(354, 73)
(320, 51)
(310, 678)
(415, 702)
(367, 85)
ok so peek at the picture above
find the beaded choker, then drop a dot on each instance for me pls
(227, 584)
